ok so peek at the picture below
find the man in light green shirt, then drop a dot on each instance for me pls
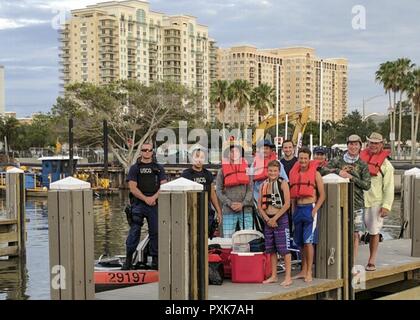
(379, 198)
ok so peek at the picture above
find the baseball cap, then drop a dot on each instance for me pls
(354, 138)
(319, 150)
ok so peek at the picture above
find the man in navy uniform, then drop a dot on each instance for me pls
(144, 180)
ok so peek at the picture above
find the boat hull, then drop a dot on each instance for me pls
(115, 279)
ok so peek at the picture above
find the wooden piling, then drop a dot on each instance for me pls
(180, 270)
(13, 228)
(332, 249)
(415, 228)
(70, 220)
(408, 201)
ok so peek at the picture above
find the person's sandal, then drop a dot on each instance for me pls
(370, 267)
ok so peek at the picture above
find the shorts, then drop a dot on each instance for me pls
(373, 220)
(358, 224)
(231, 219)
(306, 231)
(276, 239)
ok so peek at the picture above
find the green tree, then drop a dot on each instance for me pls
(240, 95)
(403, 66)
(353, 124)
(386, 75)
(134, 112)
(9, 127)
(219, 92)
(262, 100)
(414, 96)
(312, 127)
(331, 133)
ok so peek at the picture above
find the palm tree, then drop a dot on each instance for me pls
(219, 91)
(239, 95)
(414, 96)
(402, 66)
(262, 100)
(386, 76)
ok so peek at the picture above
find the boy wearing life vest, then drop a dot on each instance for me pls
(380, 196)
(264, 155)
(273, 203)
(307, 194)
(234, 190)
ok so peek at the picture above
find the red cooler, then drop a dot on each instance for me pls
(250, 267)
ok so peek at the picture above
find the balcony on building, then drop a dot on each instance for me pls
(199, 55)
(108, 67)
(153, 47)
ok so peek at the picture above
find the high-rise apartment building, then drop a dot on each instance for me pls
(126, 40)
(299, 81)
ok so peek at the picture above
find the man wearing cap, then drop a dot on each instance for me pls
(319, 155)
(351, 166)
(379, 198)
(265, 154)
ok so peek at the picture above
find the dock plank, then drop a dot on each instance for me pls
(410, 294)
(393, 261)
(393, 257)
(232, 291)
(7, 221)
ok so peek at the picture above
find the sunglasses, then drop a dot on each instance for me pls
(146, 150)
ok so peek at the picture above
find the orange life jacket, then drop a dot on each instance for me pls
(302, 184)
(374, 161)
(261, 173)
(235, 174)
(270, 196)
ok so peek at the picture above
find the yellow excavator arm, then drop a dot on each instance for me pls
(300, 119)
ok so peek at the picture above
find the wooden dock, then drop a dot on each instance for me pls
(394, 265)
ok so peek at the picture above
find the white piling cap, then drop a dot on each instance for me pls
(15, 170)
(69, 183)
(182, 184)
(412, 172)
(334, 178)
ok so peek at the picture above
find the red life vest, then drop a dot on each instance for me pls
(261, 173)
(374, 161)
(302, 184)
(235, 174)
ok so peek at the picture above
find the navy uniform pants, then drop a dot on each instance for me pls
(141, 211)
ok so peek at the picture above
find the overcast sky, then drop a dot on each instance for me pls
(29, 42)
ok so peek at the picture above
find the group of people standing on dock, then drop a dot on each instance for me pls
(287, 194)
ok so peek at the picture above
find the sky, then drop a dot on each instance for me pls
(390, 30)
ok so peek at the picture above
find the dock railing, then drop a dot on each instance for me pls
(13, 224)
(183, 253)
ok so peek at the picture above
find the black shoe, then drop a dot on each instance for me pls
(155, 263)
(128, 263)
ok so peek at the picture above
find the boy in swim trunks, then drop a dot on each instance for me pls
(273, 203)
(307, 193)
